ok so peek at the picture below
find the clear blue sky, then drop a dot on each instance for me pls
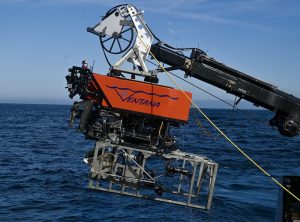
(41, 39)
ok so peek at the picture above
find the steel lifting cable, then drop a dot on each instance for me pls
(219, 130)
(233, 106)
(203, 90)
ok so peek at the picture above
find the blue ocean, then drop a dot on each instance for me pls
(43, 177)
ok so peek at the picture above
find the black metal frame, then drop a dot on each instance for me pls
(202, 67)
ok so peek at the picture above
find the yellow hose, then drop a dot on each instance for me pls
(220, 131)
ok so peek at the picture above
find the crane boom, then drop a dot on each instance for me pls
(260, 93)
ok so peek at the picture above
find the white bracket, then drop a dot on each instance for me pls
(112, 25)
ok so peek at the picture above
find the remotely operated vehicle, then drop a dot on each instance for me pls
(131, 116)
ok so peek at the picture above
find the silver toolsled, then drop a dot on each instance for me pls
(174, 177)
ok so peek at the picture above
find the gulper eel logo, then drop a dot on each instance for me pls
(136, 96)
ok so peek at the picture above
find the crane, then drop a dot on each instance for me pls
(131, 120)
